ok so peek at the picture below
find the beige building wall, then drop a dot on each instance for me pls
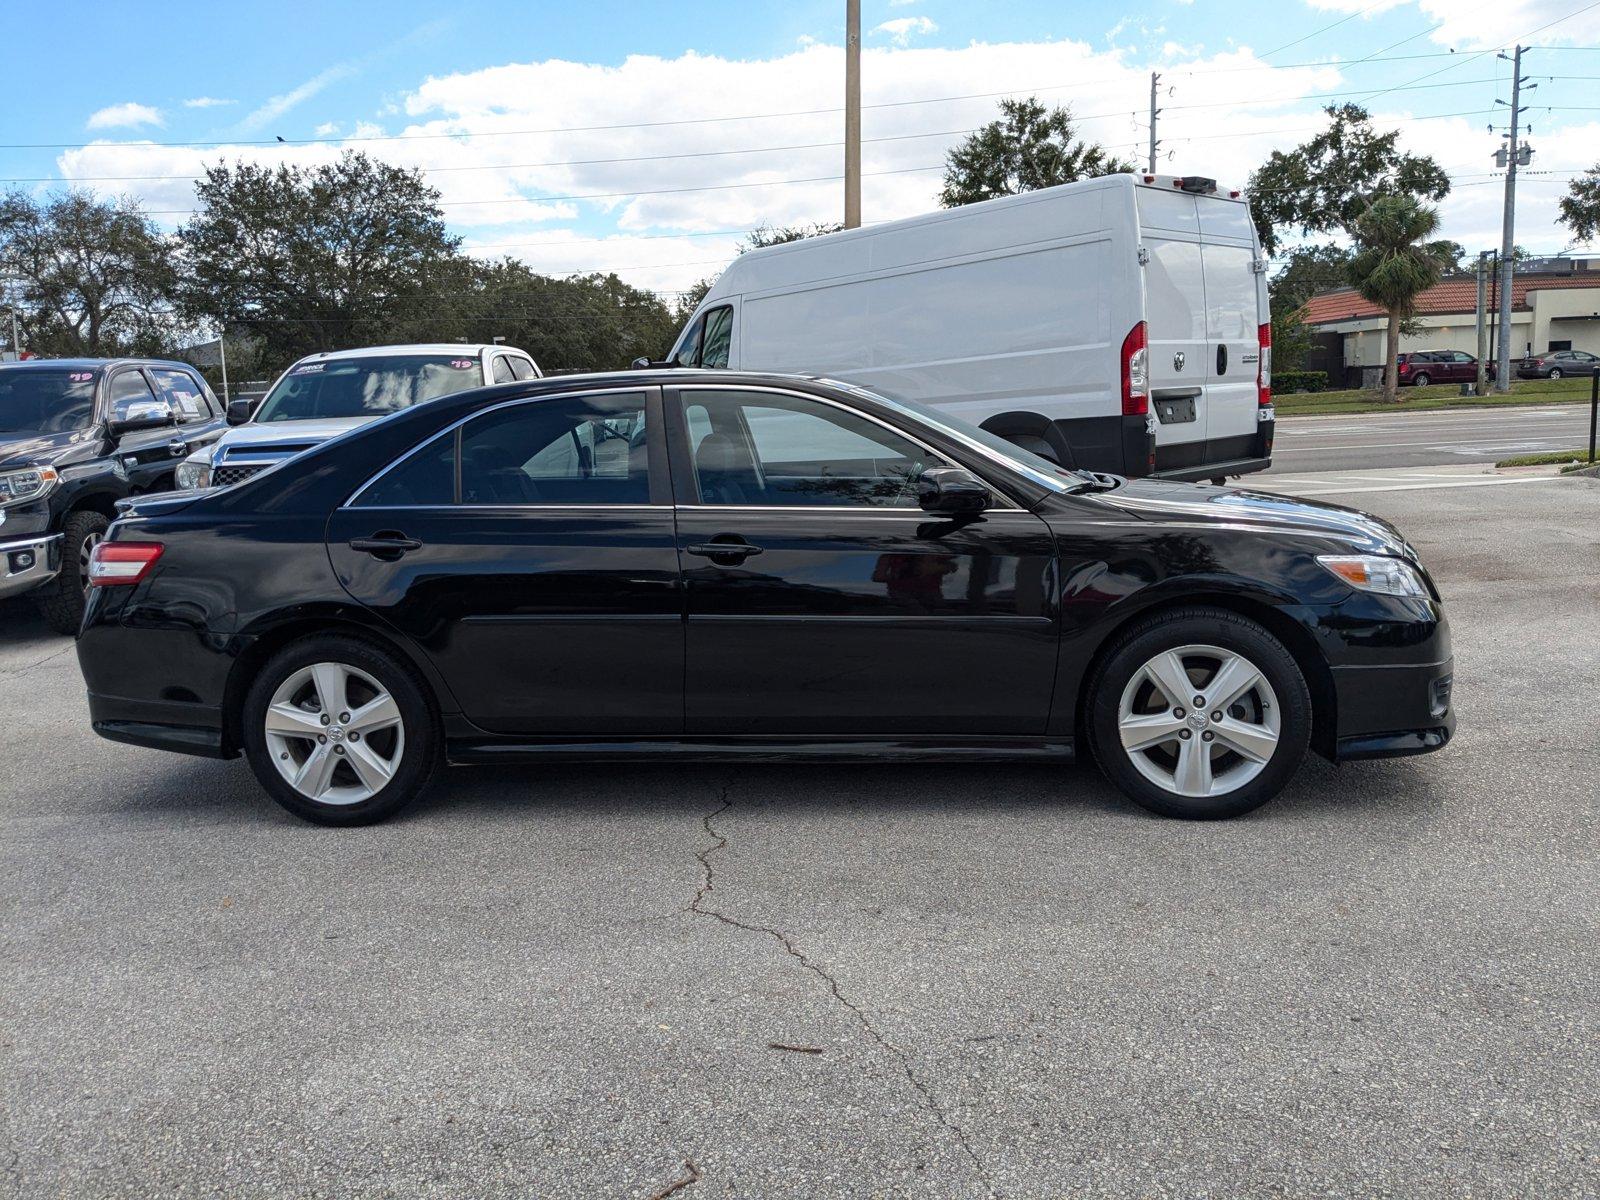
(1567, 315)
(1363, 342)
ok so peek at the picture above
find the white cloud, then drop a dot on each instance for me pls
(207, 102)
(280, 104)
(1478, 26)
(902, 29)
(125, 116)
(686, 136)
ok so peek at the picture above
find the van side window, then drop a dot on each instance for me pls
(688, 354)
(718, 339)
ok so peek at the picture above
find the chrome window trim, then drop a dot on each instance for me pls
(683, 390)
(638, 389)
(862, 510)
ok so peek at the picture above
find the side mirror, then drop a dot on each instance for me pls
(239, 411)
(642, 363)
(141, 414)
(951, 490)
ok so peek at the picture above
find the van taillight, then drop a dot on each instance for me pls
(1264, 368)
(1136, 371)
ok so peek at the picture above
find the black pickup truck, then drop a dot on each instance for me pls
(76, 436)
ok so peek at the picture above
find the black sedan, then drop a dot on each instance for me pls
(720, 565)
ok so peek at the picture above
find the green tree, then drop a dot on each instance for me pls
(1028, 148)
(90, 277)
(1306, 270)
(319, 258)
(1580, 207)
(1393, 264)
(1326, 184)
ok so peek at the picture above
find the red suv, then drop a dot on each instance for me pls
(1423, 367)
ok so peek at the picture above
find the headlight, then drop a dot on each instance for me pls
(19, 487)
(1376, 573)
(191, 474)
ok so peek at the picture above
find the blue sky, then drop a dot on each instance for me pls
(519, 88)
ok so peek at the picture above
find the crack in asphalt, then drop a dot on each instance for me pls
(698, 907)
(37, 663)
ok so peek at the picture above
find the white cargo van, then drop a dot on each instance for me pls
(1118, 324)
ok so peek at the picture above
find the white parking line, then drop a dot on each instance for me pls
(1472, 481)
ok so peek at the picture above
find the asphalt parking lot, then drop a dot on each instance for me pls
(856, 981)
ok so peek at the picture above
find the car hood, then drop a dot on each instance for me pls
(1186, 503)
(38, 449)
(291, 436)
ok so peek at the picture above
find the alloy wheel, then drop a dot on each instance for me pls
(334, 733)
(85, 554)
(1199, 721)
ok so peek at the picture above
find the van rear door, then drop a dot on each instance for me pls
(1233, 318)
(1175, 311)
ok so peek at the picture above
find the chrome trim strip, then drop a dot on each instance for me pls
(640, 389)
(29, 543)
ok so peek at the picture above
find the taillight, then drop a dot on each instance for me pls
(1264, 368)
(122, 564)
(1136, 371)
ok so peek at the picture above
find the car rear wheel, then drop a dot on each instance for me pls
(61, 600)
(1555, 372)
(340, 732)
(1199, 713)
(1421, 379)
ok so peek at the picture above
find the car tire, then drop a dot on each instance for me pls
(1555, 373)
(61, 600)
(1272, 719)
(1421, 379)
(366, 768)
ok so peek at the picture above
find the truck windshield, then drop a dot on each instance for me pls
(367, 387)
(45, 401)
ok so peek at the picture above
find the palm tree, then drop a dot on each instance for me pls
(1393, 266)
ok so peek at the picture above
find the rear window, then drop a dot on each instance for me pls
(367, 387)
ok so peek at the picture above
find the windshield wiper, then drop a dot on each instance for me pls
(1097, 481)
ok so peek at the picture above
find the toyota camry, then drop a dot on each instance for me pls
(719, 565)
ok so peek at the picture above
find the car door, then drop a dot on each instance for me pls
(199, 423)
(530, 553)
(145, 457)
(822, 601)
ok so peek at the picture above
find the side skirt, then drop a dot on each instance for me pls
(774, 750)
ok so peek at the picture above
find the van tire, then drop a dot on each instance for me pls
(1421, 379)
(61, 601)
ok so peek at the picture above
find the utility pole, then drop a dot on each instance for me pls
(222, 354)
(852, 114)
(1514, 154)
(1482, 387)
(16, 339)
(1155, 81)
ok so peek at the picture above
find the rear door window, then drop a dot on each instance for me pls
(184, 393)
(577, 450)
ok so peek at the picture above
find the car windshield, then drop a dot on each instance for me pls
(46, 401)
(367, 387)
(1041, 471)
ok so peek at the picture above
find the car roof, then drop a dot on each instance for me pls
(475, 349)
(95, 364)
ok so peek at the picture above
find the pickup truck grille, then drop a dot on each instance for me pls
(225, 476)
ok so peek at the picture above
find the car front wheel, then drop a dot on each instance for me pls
(1199, 713)
(340, 732)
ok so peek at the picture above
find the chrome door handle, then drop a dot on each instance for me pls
(178, 447)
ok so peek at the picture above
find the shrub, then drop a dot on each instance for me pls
(1287, 382)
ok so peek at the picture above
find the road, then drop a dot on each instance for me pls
(571, 981)
(1421, 439)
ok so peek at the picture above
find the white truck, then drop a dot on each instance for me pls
(324, 395)
(1117, 324)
